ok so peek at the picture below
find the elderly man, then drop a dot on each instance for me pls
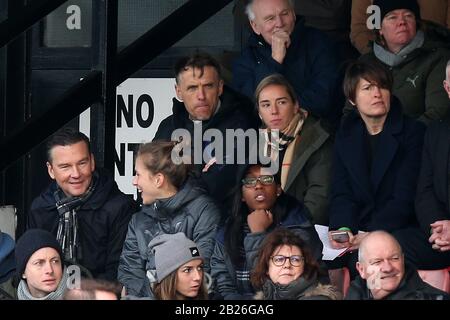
(83, 207)
(281, 43)
(384, 276)
(204, 105)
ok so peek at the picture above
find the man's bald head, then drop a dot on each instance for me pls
(376, 239)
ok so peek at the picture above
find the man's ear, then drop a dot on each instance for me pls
(50, 170)
(360, 268)
(92, 162)
(254, 27)
(447, 86)
(220, 87)
(178, 92)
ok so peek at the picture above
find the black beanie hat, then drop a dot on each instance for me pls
(387, 6)
(30, 242)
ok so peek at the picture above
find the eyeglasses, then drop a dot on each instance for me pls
(251, 181)
(295, 261)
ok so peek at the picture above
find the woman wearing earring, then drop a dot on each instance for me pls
(376, 162)
(301, 146)
(172, 202)
(259, 207)
(179, 268)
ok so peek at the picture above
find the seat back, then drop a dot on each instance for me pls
(437, 278)
(8, 220)
(340, 278)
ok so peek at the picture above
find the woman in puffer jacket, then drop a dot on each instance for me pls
(172, 202)
(259, 207)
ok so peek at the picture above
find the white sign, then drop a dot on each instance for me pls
(141, 105)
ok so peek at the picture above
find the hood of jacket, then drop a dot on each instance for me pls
(106, 187)
(300, 289)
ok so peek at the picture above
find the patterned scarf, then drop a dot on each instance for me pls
(67, 207)
(276, 141)
(24, 294)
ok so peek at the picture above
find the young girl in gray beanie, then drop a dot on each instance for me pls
(179, 268)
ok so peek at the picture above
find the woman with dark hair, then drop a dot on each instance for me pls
(172, 202)
(259, 207)
(376, 162)
(286, 270)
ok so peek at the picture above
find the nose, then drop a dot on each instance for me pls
(197, 275)
(258, 184)
(376, 91)
(274, 109)
(287, 263)
(201, 93)
(386, 266)
(48, 268)
(75, 172)
(278, 21)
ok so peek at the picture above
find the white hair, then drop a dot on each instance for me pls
(251, 14)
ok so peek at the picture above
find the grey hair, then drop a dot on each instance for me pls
(447, 71)
(362, 245)
(251, 14)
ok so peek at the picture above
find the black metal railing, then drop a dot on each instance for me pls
(88, 91)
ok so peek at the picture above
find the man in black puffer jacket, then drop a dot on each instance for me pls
(83, 207)
(205, 106)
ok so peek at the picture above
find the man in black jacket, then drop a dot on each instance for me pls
(384, 276)
(429, 248)
(204, 109)
(83, 207)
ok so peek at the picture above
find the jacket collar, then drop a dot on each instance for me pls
(313, 136)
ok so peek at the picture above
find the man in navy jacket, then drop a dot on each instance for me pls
(281, 43)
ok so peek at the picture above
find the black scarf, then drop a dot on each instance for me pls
(67, 207)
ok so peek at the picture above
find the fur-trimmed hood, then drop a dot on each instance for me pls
(300, 289)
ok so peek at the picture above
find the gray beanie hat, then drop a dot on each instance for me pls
(171, 252)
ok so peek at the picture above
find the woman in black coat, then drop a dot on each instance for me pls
(376, 161)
